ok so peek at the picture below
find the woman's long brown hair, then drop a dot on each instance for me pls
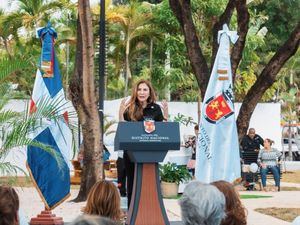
(9, 206)
(104, 200)
(235, 211)
(135, 109)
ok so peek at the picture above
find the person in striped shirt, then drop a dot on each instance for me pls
(268, 159)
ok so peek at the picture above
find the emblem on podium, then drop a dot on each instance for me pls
(149, 126)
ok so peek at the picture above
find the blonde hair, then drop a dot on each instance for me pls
(135, 109)
(104, 200)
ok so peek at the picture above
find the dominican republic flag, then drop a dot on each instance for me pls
(50, 176)
(217, 156)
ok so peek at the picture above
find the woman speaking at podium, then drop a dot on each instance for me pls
(141, 106)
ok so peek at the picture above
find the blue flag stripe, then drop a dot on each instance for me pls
(44, 169)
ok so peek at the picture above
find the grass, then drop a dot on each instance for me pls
(292, 177)
(75, 186)
(286, 214)
(254, 196)
(16, 181)
(241, 196)
(289, 189)
(174, 197)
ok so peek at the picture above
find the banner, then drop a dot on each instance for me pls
(217, 155)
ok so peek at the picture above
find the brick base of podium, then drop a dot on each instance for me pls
(46, 218)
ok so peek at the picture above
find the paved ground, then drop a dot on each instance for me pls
(31, 205)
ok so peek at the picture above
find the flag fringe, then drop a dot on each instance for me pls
(40, 192)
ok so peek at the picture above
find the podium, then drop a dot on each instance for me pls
(146, 150)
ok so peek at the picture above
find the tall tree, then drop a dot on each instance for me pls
(182, 11)
(83, 95)
(135, 27)
(33, 12)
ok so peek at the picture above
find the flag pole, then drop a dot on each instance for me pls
(102, 63)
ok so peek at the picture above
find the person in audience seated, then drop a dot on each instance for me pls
(250, 146)
(9, 206)
(92, 220)
(235, 211)
(104, 200)
(268, 160)
(202, 204)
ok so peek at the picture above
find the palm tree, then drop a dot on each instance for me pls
(8, 33)
(35, 13)
(16, 128)
(83, 96)
(134, 25)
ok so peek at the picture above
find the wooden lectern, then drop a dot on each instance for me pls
(146, 150)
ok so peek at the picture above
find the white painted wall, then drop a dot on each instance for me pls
(265, 119)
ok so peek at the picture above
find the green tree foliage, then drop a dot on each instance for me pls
(281, 18)
(143, 23)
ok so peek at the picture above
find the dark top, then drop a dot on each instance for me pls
(249, 144)
(151, 111)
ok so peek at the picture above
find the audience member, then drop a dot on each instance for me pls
(202, 204)
(235, 211)
(252, 141)
(296, 221)
(192, 141)
(250, 144)
(92, 220)
(9, 206)
(268, 159)
(104, 200)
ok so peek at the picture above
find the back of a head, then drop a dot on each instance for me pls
(104, 200)
(9, 206)
(235, 211)
(296, 221)
(92, 220)
(202, 204)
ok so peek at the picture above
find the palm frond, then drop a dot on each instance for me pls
(51, 109)
(110, 132)
(108, 124)
(8, 67)
(8, 169)
(5, 94)
(7, 115)
(17, 132)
